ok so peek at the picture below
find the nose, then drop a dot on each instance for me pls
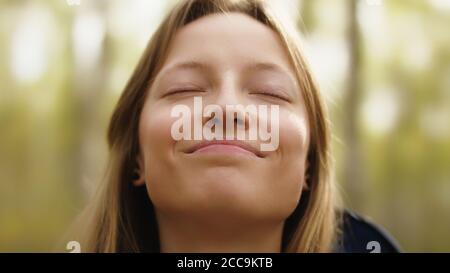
(234, 119)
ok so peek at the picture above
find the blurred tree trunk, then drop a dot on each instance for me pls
(352, 156)
(89, 92)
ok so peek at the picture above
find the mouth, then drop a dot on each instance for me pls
(232, 147)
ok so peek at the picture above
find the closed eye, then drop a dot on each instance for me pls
(183, 91)
(272, 95)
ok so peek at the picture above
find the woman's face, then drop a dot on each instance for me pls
(226, 60)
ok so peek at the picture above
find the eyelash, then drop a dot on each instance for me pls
(180, 91)
(265, 93)
(271, 94)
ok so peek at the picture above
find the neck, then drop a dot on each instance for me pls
(180, 234)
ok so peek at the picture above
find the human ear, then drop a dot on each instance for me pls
(306, 177)
(139, 172)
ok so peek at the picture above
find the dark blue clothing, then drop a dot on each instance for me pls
(359, 235)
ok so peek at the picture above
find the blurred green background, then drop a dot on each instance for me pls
(383, 66)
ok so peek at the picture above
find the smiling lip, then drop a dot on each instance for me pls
(224, 146)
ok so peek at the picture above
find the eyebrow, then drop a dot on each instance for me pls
(272, 67)
(250, 66)
(195, 65)
(266, 66)
(203, 66)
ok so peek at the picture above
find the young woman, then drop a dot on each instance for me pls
(166, 194)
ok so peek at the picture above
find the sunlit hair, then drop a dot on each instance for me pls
(121, 217)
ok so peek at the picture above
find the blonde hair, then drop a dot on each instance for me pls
(121, 217)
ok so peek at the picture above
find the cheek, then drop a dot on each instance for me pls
(154, 132)
(294, 136)
(289, 162)
(294, 143)
(156, 146)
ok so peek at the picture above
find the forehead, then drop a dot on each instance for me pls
(227, 40)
